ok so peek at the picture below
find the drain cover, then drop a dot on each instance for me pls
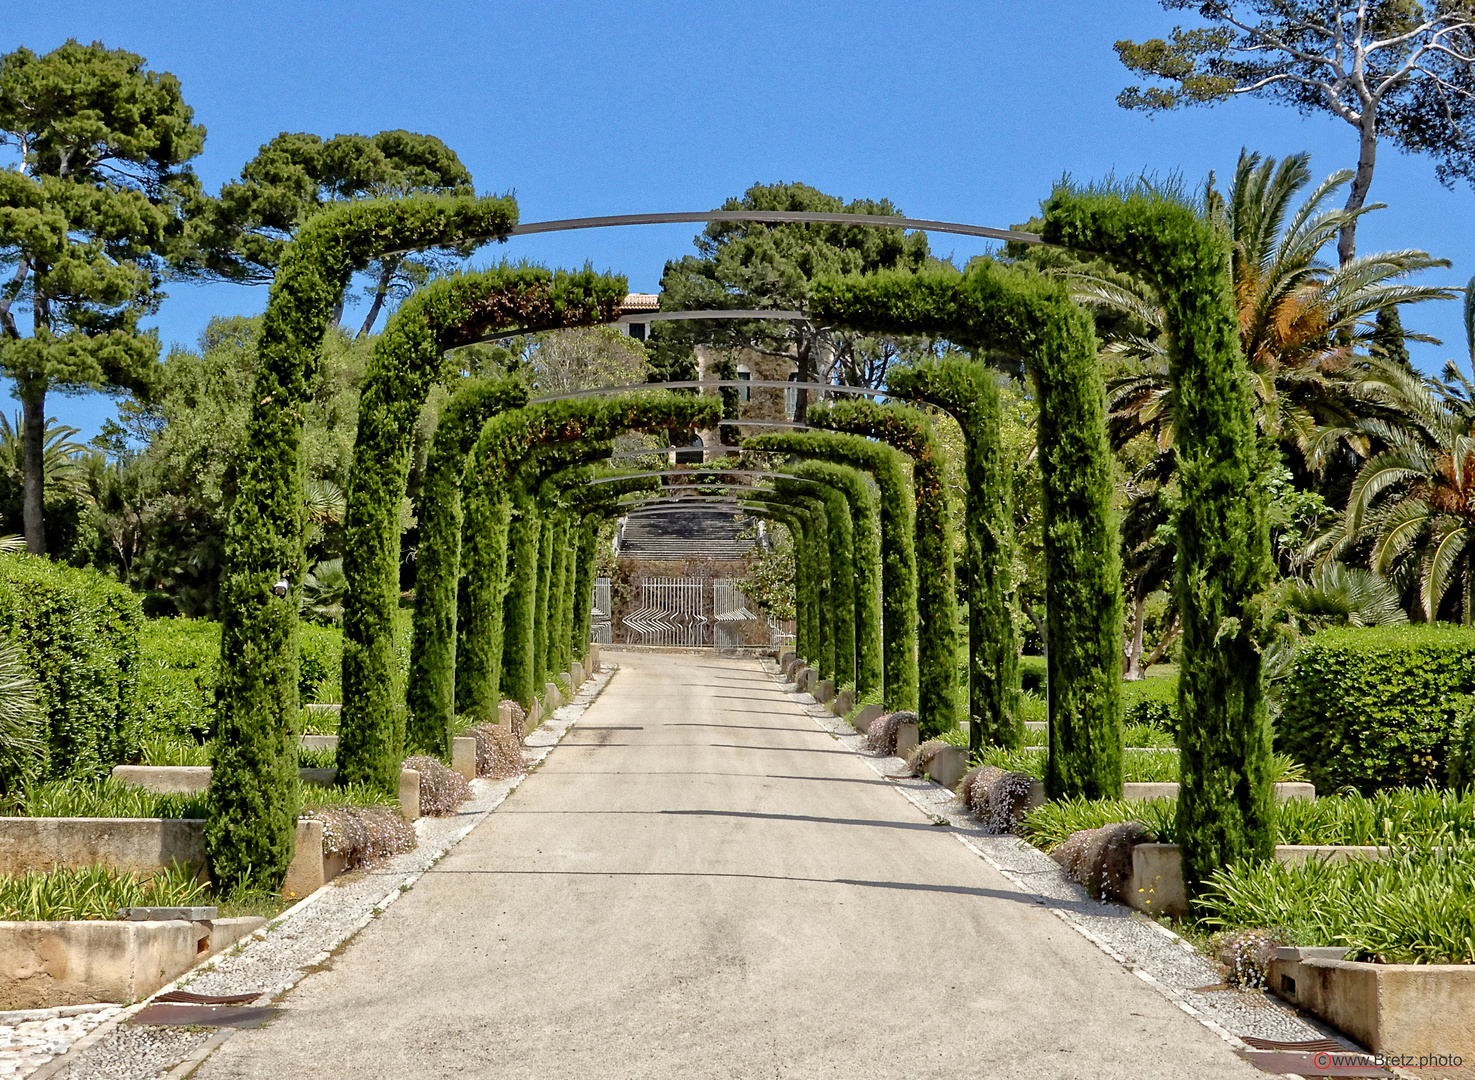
(202, 1016)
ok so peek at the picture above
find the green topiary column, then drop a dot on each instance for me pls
(253, 793)
(431, 691)
(1225, 808)
(546, 544)
(408, 359)
(838, 605)
(969, 391)
(486, 541)
(898, 556)
(1015, 310)
(909, 431)
(865, 533)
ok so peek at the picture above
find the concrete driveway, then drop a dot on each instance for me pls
(700, 883)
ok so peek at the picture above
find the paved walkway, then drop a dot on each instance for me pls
(701, 883)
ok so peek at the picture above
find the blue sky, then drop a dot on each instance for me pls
(961, 111)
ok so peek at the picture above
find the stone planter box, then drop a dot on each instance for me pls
(1389, 1008)
(825, 692)
(173, 779)
(46, 964)
(907, 739)
(576, 676)
(593, 657)
(843, 703)
(947, 765)
(142, 845)
(552, 699)
(807, 680)
(785, 658)
(1141, 792)
(319, 742)
(463, 756)
(864, 718)
(1156, 886)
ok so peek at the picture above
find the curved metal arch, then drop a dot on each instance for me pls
(714, 384)
(692, 472)
(777, 217)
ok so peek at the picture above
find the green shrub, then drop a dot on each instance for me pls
(1372, 707)
(1048, 826)
(161, 749)
(1146, 767)
(324, 796)
(1415, 907)
(1462, 743)
(94, 892)
(1032, 674)
(105, 798)
(1151, 701)
(79, 632)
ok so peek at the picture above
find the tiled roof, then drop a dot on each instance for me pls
(640, 301)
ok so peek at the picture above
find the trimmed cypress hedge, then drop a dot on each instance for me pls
(506, 440)
(865, 532)
(1223, 554)
(431, 690)
(898, 556)
(480, 620)
(253, 792)
(78, 632)
(909, 431)
(1029, 314)
(408, 359)
(969, 391)
(1376, 707)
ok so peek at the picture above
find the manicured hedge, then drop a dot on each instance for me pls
(1376, 707)
(253, 796)
(1153, 700)
(1223, 551)
(78, 631)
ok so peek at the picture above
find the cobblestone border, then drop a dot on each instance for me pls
(294, 944)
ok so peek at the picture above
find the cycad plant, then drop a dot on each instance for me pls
(1301, 317)
(1412, 505)
(21, 745)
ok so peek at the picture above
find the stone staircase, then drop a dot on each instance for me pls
(689, 534)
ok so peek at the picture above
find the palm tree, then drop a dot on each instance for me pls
(62, 460)
(1301, 317)
(1412, 505)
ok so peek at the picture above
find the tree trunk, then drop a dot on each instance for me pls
(380, 292)
(1040, 628)
(806, 374)
(33, 464)
(1134, 650)
(1362, 181)
(1162, 646)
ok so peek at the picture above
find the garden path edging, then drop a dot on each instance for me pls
(322, 922)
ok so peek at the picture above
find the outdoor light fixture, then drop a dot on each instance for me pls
(282, 587)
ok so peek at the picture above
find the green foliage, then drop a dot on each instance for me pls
(1032, 673)
(409, 358)
(21, 745)
(1149, 766)
(1371, 707)
(1462, 743)
(969, 391)
(1416, 906)
(79, 633)
(865, 531)
(88, 223)
(321, 796)
(164, 749)
(1050, 825)
(1223, 552)
(770, 579)
(1152, 701)
(250, 835)
(95, 892)
(107, 798)
(438, 560)
(909, 431)
(898, 553)
(995, 307)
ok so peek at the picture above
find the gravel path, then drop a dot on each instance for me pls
(277, 957)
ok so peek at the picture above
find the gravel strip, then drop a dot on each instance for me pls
(1145, 947)
(30, 1038)
(278, 956)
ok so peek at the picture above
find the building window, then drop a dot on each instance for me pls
(744, 393)
(638, 329)
(692, 456)
(791, 399)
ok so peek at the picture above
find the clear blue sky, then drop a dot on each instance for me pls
(962, 111)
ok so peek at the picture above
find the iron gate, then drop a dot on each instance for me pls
(734, 622)
(670, 613)
(600, 627)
